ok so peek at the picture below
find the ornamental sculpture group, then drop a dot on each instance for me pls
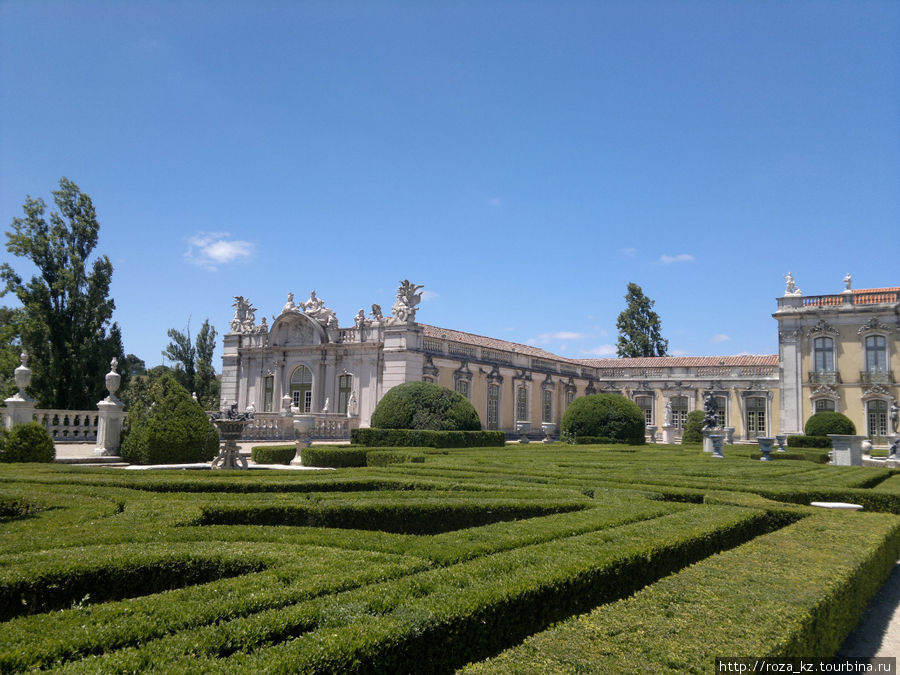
(404, 311)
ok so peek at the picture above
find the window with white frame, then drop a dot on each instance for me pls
(570, 396)
(876, 354)
(756, 416)
(645, 403)
(493, 406)
(345, 386)
(823, 355)
(301, 388)
(462, 386)
(547, 405)
(721, 409)
(877, 417)
(521, 404)
(268, 388)
(679, 411)
(825, 405)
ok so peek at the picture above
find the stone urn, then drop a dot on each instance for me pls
(781, 439)
(548, 428)
(866, 446)
(522, 428)
(231, 427)
(651, 433)
(765, 446)
(717, 445)
(303, 426)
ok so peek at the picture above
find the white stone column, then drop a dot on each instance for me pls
(111, 417)
(20, 407)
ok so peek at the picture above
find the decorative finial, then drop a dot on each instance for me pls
(23, 358)
(114, 364)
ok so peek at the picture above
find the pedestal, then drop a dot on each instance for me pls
(729, 435)
(109, 427)
(19, 410)
(717, 445)
(707, 438)
(522, 428)
(765, 446)
(229, 456)
(651, 433)
(847, 450)
(668, 434)
(303, 425)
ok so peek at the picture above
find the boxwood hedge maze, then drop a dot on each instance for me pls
(544, 558)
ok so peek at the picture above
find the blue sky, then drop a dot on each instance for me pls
(522, 160)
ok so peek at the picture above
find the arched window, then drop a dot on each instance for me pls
(268, 387)
(547, 405)
(876, 417)
(825, 404)
(823, 355)
(876, 354)
(301, 388)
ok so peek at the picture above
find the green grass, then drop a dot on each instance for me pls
(435, 564)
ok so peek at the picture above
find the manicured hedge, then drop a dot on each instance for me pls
(333, 457)
(800, 441)
(385, 457)
(736, 605)
(597, 440)
(604, 415)
(378, 437)
(693, 427)
(273, 454)
(425, 405)
(829, 422)
(27, 443)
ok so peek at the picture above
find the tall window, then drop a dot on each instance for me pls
(645, 403)
(876, 416)
(679, 411)
(493, 406)
(301, 388)
(756, 416)
(825, 404)
(823, 355)
(547, 405)
(268, 387)
(462, 386)
(721, 402)
(570, 396)
(521, 404)
(345, 385)
(876, 354)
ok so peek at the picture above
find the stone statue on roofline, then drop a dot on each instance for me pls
(408, 299)
(316, 309)
(848, 283)
(376, 313)
(244, 315)
(790, 287)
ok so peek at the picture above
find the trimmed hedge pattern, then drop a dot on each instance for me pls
(829, 422)
(377, 437)
(26, 443)
(333, 456)
(273, 454)
(425, 405)
(800, 441)
(604, 416)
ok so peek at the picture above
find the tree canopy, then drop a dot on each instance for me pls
(193, 362)
(639, 327)
(66, 311)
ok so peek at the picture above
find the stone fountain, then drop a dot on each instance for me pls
(230, 425)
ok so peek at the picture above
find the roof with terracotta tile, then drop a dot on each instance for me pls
(645, 362)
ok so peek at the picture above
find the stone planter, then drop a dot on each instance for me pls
(522, 428)
(765, 446)
(717, 445)
(548, 428)
(847, 450)
(781, 441)
(229, 457)
(651, 433)
(729, 435)
(303, 426)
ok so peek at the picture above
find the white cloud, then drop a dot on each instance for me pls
(720, 337)
(602, 350)
(429, 295)
(209, 249)
(681, 257)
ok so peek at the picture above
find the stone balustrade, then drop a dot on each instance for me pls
(276, 427)
(69, 426)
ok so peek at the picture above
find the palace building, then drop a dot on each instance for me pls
(835, 353)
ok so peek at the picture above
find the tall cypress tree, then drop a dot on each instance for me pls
(639, 327)
(66, 326)
(194, 362)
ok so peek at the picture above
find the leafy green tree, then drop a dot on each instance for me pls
(10, 348)
(194, 362)
(66, 311)
(639, 327)
(136, 366)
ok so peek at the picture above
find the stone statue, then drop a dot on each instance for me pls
(376, 312)
(668, 417)
(407, 300)
(244, 315)
(315, 308)
(848, 282)
(325, 407)
(289, 306)
(352, 405)
(895, 449)
(332, 322)
(895, 417)
(790, 287)
(710, 408)
(360, 319)
(262, 328)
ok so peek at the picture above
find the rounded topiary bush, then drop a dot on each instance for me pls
(27, 443)
(173, 429)
(605, 415)
(693, 427)
(424, 405)
(827, 422)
